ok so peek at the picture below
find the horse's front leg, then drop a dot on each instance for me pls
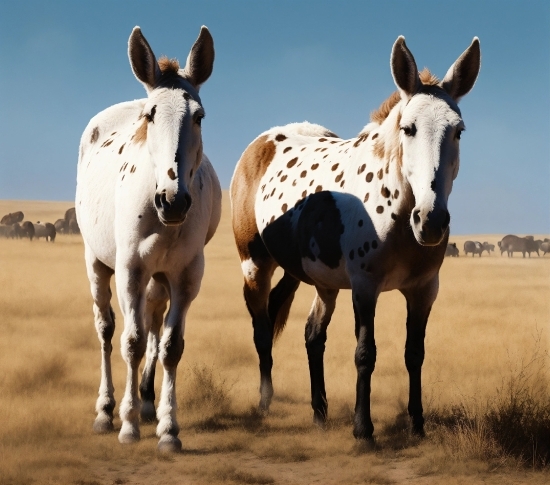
(131, 285)
(364, 305)
(157, 297)
(316, 336)
(419, 305)
(104, 319)
(183, 291)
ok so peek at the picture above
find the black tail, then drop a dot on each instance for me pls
(280, 300)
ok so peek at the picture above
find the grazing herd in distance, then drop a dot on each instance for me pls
(12, 226)
(510, 244)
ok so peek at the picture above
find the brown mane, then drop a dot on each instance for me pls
(168, 66)
(379, 115)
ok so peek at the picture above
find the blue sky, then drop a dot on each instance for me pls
(277, 62)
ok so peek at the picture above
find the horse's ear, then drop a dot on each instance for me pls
(462, 75)
(142, 60)
(403, 69)
(200, 60)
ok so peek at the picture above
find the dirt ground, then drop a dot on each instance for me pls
(490, 322)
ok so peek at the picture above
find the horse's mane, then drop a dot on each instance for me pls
(168, 66)
(379, 115)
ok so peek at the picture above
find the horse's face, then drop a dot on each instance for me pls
(430, 128)
(172, 118)
(174, 142)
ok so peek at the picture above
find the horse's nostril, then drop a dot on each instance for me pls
(416, 217)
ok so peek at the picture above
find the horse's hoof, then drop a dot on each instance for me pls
(103, 425)
(128, 433)
(320, 422)
(169, 444)
(148, 413)
(365, 445)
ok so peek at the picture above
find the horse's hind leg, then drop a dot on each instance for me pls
(104, 319)
(157, 298)
(419, 305)
(316, 336)
(257, 285)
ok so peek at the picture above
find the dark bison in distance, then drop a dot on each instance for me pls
(12, 218)
(515, 244)
(452, 250)
(474, 247)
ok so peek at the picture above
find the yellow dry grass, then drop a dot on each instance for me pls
(484, 324)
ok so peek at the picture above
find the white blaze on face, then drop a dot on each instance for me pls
(430, 148)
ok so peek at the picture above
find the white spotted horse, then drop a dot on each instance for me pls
(147, 202)
(367, 214)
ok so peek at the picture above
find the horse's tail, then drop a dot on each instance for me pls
(280, 300)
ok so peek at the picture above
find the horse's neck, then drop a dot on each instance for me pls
(388, 157)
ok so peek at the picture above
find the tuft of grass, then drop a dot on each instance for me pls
(514, 426)
(46, 372)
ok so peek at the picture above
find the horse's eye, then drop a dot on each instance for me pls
(198, 119)
(458, 134)
(150, 117)
(409, 130)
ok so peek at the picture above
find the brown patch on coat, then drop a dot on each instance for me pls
(366, 197)
(334, 167)
(315, 166)
(95, 135)
(385, 192)
(283, 178)
(280, 137)
(380, 174)
(140, 136)
(380, 209)
(133, 169)
(361, 169)
(369, 177)
(171, 174)
(303, 174)
(339, 177)
(106, 143)
(287, 149)
(378, 149)
(121, 148)
(292, 162)
(318, 188)
(250, 169)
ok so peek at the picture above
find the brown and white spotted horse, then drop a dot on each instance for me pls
(367, 214)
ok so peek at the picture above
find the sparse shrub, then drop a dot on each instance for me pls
(514, 425)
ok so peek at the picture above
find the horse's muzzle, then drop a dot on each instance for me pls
(172, 213)
(430, 230)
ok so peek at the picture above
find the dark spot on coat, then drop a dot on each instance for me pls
(334, 167)
(318, 188)
(107, 143)
(396, 194)
(304, 193)
(284, 208)
(294, 183)
(360, 252)
(279, 173)
(393, 216)
(366, 247)
(121, 148)
(360, 223)
(314, 166)
(374, 244)
(385, 191)
(283, 178)
(380, 209)
(95, 135)
(272, 219)
(287, 149)
(339, 177)
(280, 196)
(361, 169)
(370, 175)
(171, 174)
(322, 139)
(272, 192)
(380, 174)
(389, 202)
(280, 137)
(303, 174)
(311, 183)
(375, 136)
(366, 197)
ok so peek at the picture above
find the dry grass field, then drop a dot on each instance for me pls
(486, 379)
